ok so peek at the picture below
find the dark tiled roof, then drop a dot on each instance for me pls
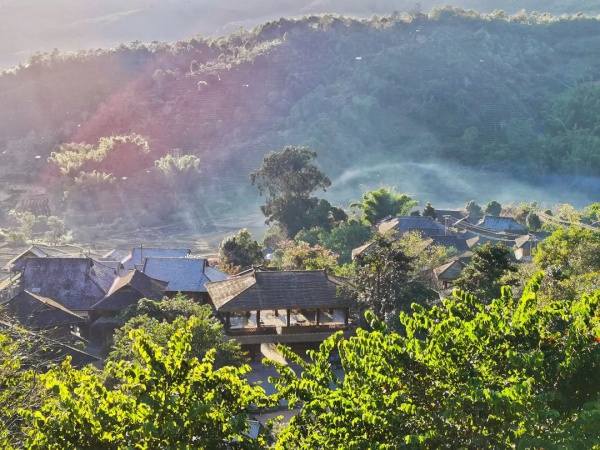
(276, 290)
(39, 312)
(138, 255)
(403, 224)
(498, 223)
(68, 281)
(103, 276)
(106, 322)
(145, 285)
(55, 350)
(450, 241)
(118, 300)
(449, 271)
(18, 262)
(182, 274)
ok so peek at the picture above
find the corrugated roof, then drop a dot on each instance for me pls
(68, 281)
(138, 255)
(276, 290)
(182, 274)
(498, 223)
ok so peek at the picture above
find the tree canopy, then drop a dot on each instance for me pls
(487, 271)
(383, 202)
(288, 178)
(169, 400)
(464, 374)
(161, 319)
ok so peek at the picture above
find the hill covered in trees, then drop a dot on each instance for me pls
(443, 105)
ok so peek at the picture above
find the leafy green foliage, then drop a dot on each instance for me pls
(382, 282)
(473, 209)
(341, 240)
(493, 208)
(429, 211)
(289, 178)
(182, 172)
(169, 400)
(21, 361)
(161, 319)
(118, 155)
(487, 271)
(571, 260)
(462, 375)
(383, 202)
(302, 256)
(240, 251)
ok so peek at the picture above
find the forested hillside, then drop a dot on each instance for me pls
(409, 94)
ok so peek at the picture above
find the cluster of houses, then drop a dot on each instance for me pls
(460, 234)
(83, 295)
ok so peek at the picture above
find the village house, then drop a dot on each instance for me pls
(124, 292)
(38, 313)
(498, 224)
(135, 260)
(292, 307)
(187, 276)
(74, 284)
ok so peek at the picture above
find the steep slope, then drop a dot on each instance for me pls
(418, 96)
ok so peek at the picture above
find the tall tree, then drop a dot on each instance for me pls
(289, 178)
(383, 202)
(487, 271)
(473, 209)
(382, 282)
(493, 208)
(429, 211)
(240, 251)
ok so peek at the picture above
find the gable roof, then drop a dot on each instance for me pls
(53, 349)
(32, 252)
(498, 223)
(115, 255)
(298, 289)
(182, 274)
(449, 271)
(129, 289)
(32, 310)
(138, 254)
(149, 287)
(403, 224)
(72, 282)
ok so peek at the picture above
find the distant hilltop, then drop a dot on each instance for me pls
(439, 104)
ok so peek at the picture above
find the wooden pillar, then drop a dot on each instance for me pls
(258, 319)
(346, 314)
(276, 313)
(227, 320)
(289, 317)
(317, 316)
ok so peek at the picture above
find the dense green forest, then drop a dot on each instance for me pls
(439, 103)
